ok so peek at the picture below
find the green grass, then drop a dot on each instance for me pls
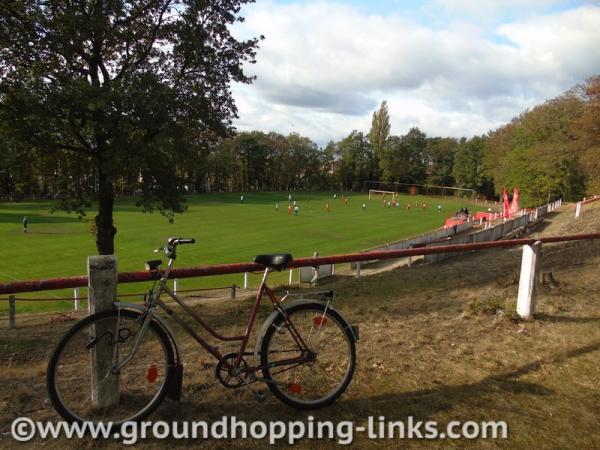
(226, 231)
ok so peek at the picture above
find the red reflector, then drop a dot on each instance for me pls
(320, 321)
(152, 374)
(294, 388)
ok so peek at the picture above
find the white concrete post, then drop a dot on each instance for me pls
(102, 293)
(578, 210)
(530, 268)
(175, 285)
(315, 277)
(246, 280)
(358, 269)
(76, 298)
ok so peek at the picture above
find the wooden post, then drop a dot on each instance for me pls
(12, 312)
(102, 293)
(246, 280)
(233, 287)
(358, 269)
(76, 298)
(530, 268)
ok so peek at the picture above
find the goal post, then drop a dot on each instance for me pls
(381, 192)
(416, 189)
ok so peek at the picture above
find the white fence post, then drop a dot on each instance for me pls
(530, 268)
(76, 298)
(102, 293)
(332, 269)
(315, 277)
(358, 269)
(175, 285)
(246, 280)
(578, 209)
(291, 276)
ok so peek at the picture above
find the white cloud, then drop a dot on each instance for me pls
(324, 67)
(566, 45)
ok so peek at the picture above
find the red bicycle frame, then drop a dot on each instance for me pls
(263, 288)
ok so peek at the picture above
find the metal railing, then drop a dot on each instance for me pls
(224, 269)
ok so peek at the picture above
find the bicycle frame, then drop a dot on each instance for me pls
(263, 289)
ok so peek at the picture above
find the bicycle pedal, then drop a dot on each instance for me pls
(260, 396)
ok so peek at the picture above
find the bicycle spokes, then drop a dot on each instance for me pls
(312, 374)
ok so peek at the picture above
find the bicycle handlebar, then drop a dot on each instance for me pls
(176, 241)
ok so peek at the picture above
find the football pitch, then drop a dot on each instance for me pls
(226, 231)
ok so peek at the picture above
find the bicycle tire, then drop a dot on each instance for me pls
(282, 386)
(55, 363)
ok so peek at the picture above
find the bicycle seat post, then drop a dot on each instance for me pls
(265, 275)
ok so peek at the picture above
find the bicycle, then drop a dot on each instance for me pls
(119, 365)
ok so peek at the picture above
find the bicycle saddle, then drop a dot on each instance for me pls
(276, 261)
(153, 265)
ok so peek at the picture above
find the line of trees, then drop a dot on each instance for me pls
(552, 150)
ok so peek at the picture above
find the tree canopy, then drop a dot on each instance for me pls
(543, 151)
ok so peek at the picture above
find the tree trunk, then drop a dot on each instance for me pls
(105, 231)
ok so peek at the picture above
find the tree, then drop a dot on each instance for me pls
(357, 163)
(469, 170)
(540, 151)
(116, 86)
(380, 130)
(403, 160)
(439, 156)
(588, 131)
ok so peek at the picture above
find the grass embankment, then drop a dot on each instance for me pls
(437, 343)
(226, 231)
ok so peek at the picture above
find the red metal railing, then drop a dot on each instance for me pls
(223, 269)
(590, 199)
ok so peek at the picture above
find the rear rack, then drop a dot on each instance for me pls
(324, 295)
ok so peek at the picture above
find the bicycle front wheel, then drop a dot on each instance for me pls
(81, 381)
(319, 381)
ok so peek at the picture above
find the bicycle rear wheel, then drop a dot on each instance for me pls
(314, 384)
(81, 384)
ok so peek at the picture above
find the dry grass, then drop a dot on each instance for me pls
(438, 342)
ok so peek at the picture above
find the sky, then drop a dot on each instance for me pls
(449, 67)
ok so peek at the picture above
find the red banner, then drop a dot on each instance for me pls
(506, 214)
(514, 205)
